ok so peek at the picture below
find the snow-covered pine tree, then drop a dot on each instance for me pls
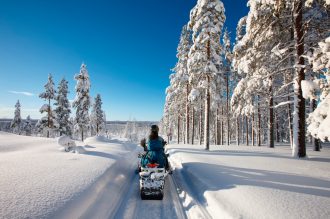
(97, 115)
(82, 101)
(274, 47)
(176, 93)
(27, 126)
(206, 22)
(181, 76)
(319, 119)
(177, 103)
(16, 123)
(310, 25)
(261, 69)
(317, 43)
(235, 79)
(47, 123)
(228, 61)
(62, 110)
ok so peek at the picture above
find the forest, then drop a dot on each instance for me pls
(269, 86)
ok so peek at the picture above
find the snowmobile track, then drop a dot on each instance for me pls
(181, 185)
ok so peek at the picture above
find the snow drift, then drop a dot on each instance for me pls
(39, 181)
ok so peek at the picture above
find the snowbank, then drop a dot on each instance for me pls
(251, 182)
(96, 139)
(38, 181)
(66, 143)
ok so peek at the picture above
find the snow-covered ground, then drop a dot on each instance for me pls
(253, 182)
(40, 181)
(37, 180)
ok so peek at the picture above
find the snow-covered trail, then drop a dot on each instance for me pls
(134, 207)
(116, 194)
(105, 196)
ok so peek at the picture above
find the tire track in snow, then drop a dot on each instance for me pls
(191, 204)
(103, 198)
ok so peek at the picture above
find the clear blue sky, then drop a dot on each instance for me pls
(129, 48)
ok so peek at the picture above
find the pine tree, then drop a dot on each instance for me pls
(258, 65)
(16, 123)
(82, 101)
(62, 110)
(271, 57)
(47, 123)
(206, 22)
(228, 59)
(97, 117)
(177, 103)
(309, 26)
(181, 74)
(318, 120)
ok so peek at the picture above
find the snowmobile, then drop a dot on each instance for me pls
(152, 178)
(152, 181)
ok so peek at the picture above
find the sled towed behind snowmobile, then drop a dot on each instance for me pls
(152, 180)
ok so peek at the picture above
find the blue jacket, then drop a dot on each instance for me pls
(155, 153)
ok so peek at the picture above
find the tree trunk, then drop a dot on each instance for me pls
(227, 107)
(215, 128)
(252, 130)
(207, 119)
(290, 123)
(193, 126)
(259, 124)
(222, 130)
(207, 101)
(247, 131)
(178, 131)
(200, 124)
(237, 131)
(183, 131)
(187, 114)
(271, 121)
(218, 126)
(299, 139)
(242, 129)
(82, 134)
(277, 128)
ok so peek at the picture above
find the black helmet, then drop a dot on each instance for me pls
(154, 128)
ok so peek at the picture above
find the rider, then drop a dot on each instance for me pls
(155, 149)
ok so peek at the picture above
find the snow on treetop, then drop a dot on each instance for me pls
(44, 108)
